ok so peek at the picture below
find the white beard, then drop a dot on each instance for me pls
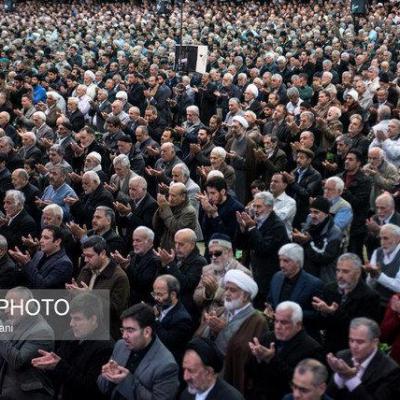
(233, 304)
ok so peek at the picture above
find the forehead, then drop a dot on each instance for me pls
(131, 323)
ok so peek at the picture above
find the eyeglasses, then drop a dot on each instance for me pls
(301, 389)
(215, 253)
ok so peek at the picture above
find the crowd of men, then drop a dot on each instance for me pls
(245, 221)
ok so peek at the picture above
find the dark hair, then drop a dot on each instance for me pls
(97, 243)
(57, 232)
(3, 157)
(258, 183)
(216, 182)
(114, 121)
(207, 129)
(142, 313)
(357, 154)
(88, 304)
(89, 130)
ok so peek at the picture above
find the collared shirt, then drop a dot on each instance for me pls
(12, 218)
(95, 274)
(163, 313)
(386, 220)
(355, 381)
(285, 209)
(203, 395)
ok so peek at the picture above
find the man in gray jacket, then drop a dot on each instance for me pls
(140, 367)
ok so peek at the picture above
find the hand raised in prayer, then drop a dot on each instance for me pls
(262, 353)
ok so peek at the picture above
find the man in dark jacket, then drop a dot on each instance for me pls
(201, 365)
(357, 192)
(363, 371)
(95, 195)
(186, 264)
(8, 271)
(342, 300)
(174, 325)
(304, 182)
(278, 353)
(321, 239)
(77, 363)
(262, 236)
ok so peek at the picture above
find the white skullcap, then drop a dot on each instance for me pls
(95, 155)
(242, 121)
(253, 89)
(243, 281)
(353, 93)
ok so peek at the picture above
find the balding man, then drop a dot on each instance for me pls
(173, 214)
(384, 175)
(29, 148)
(186, 264)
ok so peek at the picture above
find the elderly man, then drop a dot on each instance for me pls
(384, 175)
(190, 128)
(240, 151)
(14, 161)
(82, 209)
(250, 95)
(174, 324)
(201, 365)
(117, 111)
(17, 222)
(231, 327)
(29, 149)
(44, 134)
(75, 116)
(162, 170)
(321, 239)
(57, 190)
(385, 214)
(294, 284)
(363, 371)
(24, 115)
(173, 214)
(262, 236)
(210, 291)
(140, 366)
(384, 268)
(389, 142)
(342, 300)
(119, 182)
(186, 264)
(340, 209)
(309, 381)
(278, 352)
(142, 265)
(30, 334)
(99, 110)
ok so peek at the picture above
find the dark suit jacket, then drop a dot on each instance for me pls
(221, 391)
(141, 215)
(160, 101)
(33, 152)
(22, 225)
(380, 380)
(362, 301)
(309, 186)
(264, 243)
(96, 110)
(53, 273)
(77, 120)
(175, 330)
(8, 273)
(272, 379)
(307, 286)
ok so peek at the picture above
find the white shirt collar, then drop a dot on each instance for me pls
(203, 395)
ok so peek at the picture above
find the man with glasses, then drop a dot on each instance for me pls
(309, 381)
(210, 291)
(141, 366)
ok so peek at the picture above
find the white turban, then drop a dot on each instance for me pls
(352, 93)
(242, 121)
(243, 281)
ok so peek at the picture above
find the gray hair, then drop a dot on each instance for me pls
(266, 197)
(56, 210)
(294, 252)
(21, 173)
(293, 91)
(353, 258)
(190, 233)
(339, 184)
(140, 180)
(108, 212)
(297, 312)
(392, 228)
(193, 109)
(374, 331)
(219, 152)
(146, 232)
(93, 176)
(122, 160)
(184, 170)
(39, 114)
(317, 369)
(3, 243)
(17, 197)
